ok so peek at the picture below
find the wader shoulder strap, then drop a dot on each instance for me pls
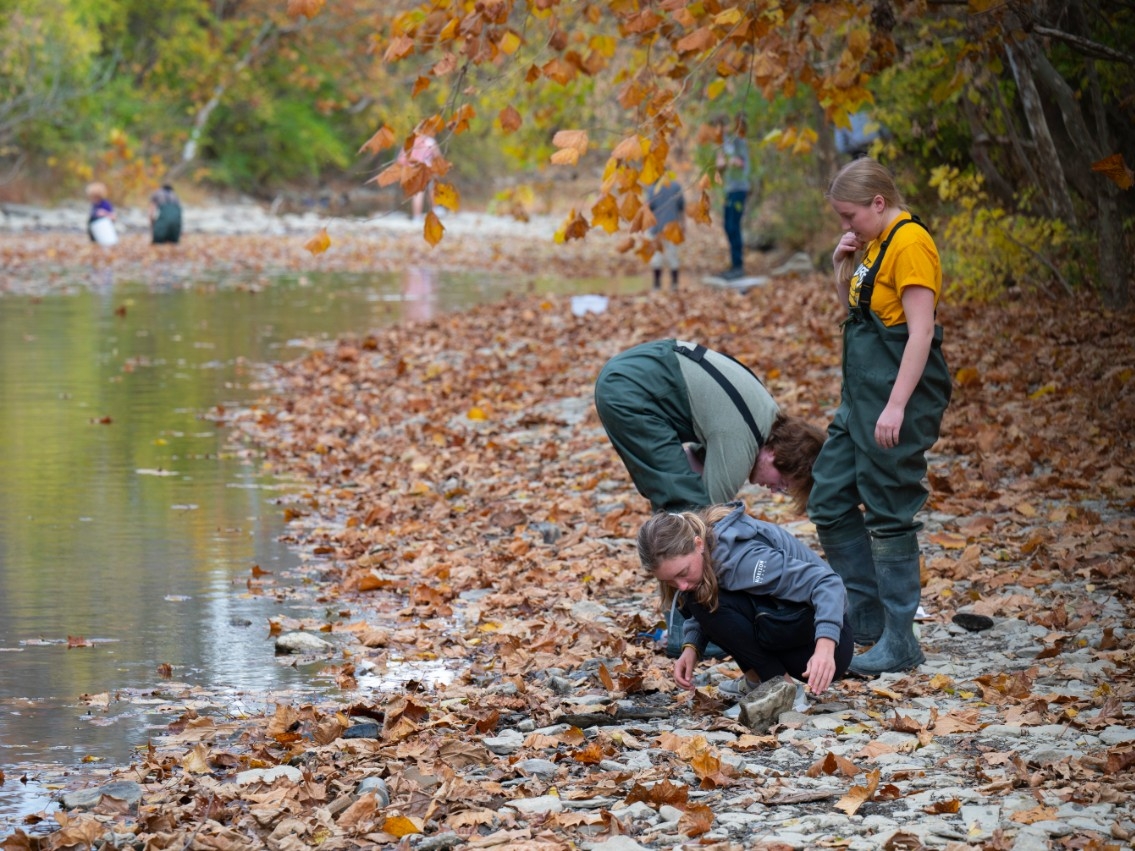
(697, 354)
(867, 287)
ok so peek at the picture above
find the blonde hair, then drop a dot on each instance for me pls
(96, 191)
(671, 534)
(859, 182)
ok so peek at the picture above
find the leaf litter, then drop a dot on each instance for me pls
(465, 511)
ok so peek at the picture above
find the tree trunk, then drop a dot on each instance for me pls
(1050, 173)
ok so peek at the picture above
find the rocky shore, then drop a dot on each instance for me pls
(465, 511)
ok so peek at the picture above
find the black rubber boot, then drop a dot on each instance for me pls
(900, 588)
(848, 550)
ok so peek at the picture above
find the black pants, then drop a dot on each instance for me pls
(734, 627)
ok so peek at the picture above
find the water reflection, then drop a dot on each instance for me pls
(418, 293)
(128, 529)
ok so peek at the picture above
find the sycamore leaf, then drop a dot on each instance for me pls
(605, 214)
(510, 120)
(433, 230)
(696, 820)
(399, 48)
(308, 8)
(1116, 170)
(628, 149)
(318, 243)
(446, 195)
(575, 140)
(857, 796)
(568, 156)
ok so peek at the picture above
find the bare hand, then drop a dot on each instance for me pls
(888, 427)
(684, 668)
(821, 667)
(848, 244)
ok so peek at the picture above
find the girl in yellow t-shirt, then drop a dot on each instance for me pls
(896, 386)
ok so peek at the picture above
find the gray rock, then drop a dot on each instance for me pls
(761, 708)
(302, 642)
(545, 769)
(122, 790)
(509, 741)
(1116, 735)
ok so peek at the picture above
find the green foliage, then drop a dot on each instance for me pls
(987, 249)
(269, 144)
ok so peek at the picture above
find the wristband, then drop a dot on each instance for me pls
(694, 647)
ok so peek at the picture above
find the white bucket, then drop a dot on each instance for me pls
(102, 229)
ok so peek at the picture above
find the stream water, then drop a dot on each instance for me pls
(128, 530)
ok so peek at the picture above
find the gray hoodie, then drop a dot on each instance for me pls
(761, 558)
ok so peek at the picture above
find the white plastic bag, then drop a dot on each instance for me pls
(103, 230)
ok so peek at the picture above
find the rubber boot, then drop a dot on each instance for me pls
(847, 549)
(897, 569)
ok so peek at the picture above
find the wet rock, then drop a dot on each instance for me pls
(972, 622)
(302, 642)
(121, 790)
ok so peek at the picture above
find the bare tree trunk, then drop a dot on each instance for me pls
(1115, 263)
(1051, 173)
(201, 121)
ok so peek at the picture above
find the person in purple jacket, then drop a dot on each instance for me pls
(753, 589)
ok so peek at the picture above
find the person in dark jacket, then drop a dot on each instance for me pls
(667, 203)
(165, 216)
(751, 587)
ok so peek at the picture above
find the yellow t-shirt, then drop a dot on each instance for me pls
(911, 260)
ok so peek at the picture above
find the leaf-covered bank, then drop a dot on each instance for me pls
(465, 507)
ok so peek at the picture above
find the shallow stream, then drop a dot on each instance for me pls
(128, 529)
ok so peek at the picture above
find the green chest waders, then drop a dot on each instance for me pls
(890, 480)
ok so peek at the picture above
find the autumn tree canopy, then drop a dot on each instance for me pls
(1034, 97)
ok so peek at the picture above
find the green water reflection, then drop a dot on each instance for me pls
(125, 521)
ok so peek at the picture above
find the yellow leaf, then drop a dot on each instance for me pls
(509, 43)
(966, 376)
(1116, 169)
(713, 90)
(318, 243)
(433, 230)
(446, 195)
(477, 414)
(673, 232)
(728, 18)
(1043, 391)
(605, 214)
(401, 826)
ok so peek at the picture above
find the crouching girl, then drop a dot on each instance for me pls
(755, 590)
